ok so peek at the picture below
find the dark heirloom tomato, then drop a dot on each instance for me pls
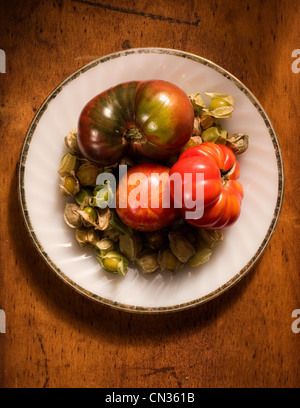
(149, 118)
(222, 194)
(143, 198)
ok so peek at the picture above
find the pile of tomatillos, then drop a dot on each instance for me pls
(151, 176)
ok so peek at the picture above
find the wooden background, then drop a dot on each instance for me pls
(56, 337)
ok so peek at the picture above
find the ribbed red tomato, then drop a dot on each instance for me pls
(146, 118)
(222, 194)
(143, 199)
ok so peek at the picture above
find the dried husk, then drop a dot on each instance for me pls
(179, 223)
(197, 103)
(119, 262)
(214, 134)
(197, 128)
(118, 225)
(111, 233)
(155, 240)
(102, 221)
(225, 97)
(87, 174)
(206, 121)
(103, 196)
(197, 140)
(147, 262)
(130, 245)
(104, 246)
(72, 215)
(238, 143)
(71, 141)
(168, 261)
(201, 256)
(194, 141)
(208, 238)
(87, 237)
(64, 190)
(187, 231)
(67, 164)
(87, 220)
(181, 246)
(104, 216)
(84, 197)
(222, 112)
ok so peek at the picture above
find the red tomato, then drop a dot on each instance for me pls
(152, 118)
(221, 193)
(143, 198)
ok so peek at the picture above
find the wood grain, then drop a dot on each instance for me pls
(57, 338)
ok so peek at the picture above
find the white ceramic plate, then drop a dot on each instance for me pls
(42, 204)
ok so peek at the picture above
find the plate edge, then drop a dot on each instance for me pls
(235, 279)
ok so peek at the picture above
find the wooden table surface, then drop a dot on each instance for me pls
(54, 336)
